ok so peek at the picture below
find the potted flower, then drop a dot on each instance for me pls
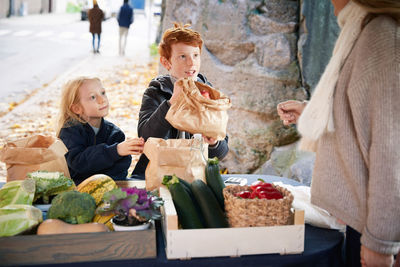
(133, 207)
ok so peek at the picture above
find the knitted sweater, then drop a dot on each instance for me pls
(357, 169)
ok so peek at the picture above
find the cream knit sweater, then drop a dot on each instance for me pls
(357, 169)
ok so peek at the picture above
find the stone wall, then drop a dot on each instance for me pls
(251, 54)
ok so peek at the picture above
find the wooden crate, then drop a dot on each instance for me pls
(69, 248)
(193, 243)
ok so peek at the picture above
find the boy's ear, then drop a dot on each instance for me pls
(165, 62)
(77, 109)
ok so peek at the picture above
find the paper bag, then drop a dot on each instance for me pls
(39, 152)
(186, 158)
(194, 113)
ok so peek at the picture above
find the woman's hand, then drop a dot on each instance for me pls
(290, 111)
(177, 91)
(131, 146)
(370, 258)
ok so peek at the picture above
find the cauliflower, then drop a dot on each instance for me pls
(49, 184)
(72, 207)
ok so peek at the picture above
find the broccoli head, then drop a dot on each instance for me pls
(72, 207)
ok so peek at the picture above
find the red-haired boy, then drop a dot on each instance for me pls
(179, 50)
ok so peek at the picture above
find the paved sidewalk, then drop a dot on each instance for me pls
(125, 79)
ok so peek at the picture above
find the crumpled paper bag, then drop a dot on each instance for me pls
(38, 152)
(194, 113)
(186, 158)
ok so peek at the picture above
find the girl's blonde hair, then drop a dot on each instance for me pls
(381, 7)
(69, 97)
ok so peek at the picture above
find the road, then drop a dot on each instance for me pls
(36, 49)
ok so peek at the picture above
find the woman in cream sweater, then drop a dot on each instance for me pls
(352, 123)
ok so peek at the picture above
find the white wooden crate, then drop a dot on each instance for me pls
(194, 243)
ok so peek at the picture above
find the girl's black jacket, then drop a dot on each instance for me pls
(90, 154)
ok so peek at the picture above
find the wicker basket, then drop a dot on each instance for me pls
(257, 212)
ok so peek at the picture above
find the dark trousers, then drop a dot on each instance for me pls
(353, 248)
(98, 42)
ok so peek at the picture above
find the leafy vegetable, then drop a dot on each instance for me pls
(17, 192)
(17, 218)
(131, 204)
(50, 183)
(72, 207)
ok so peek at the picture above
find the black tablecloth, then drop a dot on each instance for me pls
(322, 248)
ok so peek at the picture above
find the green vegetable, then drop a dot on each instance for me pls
(209, 206)
(72, 207)
(49, 184)
(17, 192)
(188, 216)
(17, 218)
(214, 180)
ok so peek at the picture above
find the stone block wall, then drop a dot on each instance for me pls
(255, 52)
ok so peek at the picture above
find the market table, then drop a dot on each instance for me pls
(323, 247)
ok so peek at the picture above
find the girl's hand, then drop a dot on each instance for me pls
(209, 140)
(370, 258)
(131, 146)
(290, 111)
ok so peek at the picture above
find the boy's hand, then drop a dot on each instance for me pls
(209, 140)
(177, 91)
(131, 146)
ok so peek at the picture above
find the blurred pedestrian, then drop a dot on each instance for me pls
(95, 16)
(125, 19)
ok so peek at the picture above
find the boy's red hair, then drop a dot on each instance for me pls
(178, 34)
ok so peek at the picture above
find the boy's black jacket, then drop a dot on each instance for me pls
(152, 122)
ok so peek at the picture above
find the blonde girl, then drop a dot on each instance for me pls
(94, 144)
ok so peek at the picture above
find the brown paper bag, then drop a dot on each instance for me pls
(194, 113)
(39, 152)
(186, 158)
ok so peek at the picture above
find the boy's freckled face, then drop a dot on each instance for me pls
(185, 61)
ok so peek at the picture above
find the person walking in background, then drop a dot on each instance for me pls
(125, 19)
(95, 16)
(352, 124)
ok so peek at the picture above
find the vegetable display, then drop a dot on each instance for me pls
(17, 192)
(55, 226)
(72, 207)
(96, 186)
(261, 190)
(50, 184)
(212, 212)
(188, 215)
(17, 218)
(214, 180)
(131, 206)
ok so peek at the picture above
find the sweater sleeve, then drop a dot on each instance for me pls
(382, 230)
(220, 150)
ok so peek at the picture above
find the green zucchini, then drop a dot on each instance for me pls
(211, 210)
(188, 215)
(214, 180)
